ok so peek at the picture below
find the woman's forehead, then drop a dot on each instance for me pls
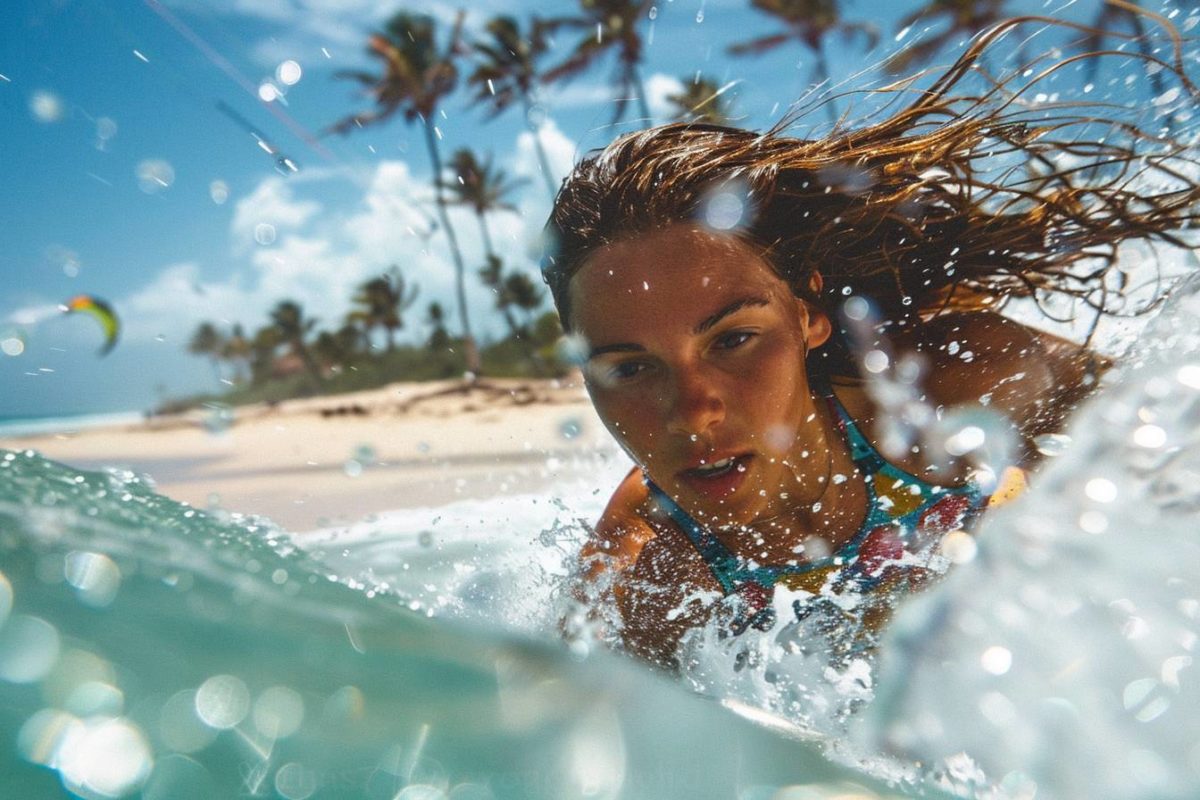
(677, 272)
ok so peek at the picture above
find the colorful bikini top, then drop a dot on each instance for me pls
(887, 557)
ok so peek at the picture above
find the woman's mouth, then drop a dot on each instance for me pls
(717, 478)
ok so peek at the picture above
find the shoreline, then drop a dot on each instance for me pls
(314, 462)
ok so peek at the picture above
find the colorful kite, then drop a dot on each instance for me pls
(103, 313)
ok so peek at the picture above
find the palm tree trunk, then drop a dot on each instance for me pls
(435, 157)
(501, 301)
(543, 161)
(643, 104)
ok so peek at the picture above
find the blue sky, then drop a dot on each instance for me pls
(95, 93)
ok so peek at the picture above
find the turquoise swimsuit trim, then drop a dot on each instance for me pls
(732, 574)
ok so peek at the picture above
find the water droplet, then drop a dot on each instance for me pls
(295, 781)
(288, 73)
(278, 712)
(29, 649)
(95, 577)
(222, 701)
(352, 468)
(219, 191)
(1149, 436)
(46, 106)
(154, 175)
(1051, 444)
(725, 209)
(996, 660)
(104, 756)
(181, 727)
(268, 92)
(264, 233)
(12, 344)
(570, 428)
(1102, 490)
(425, 539)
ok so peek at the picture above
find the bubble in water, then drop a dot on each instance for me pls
(1102, 490)
(295, 781)
(106, 128)
(264, 233)
(29, 649)
(570, 428)
(365, 453)
(278, 712)
(268, 92)
(104, 756)
(856, 308)
(95, 577)
(12, 343)
(959, 546)
(1150, 436)
(39, 738)
(218, 419)
(1052, 444)
(46, 106)
(154, 175)
(725, 209)
(95, 698)
(180, 725)
(219, 191)
(222, 701)
(996, 659)
(352, 468)
(288, 73)
(536, 116)
(425, 538)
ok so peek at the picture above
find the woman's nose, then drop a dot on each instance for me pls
(697, 404)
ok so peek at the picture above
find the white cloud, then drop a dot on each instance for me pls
(658, 88)
(273, 204)
(322, 251)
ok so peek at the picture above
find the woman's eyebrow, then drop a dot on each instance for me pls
(623, 347)
(736, 305)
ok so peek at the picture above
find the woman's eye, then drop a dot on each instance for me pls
(626, 370)
(733, 339)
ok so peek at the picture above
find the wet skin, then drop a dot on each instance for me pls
(697, 355)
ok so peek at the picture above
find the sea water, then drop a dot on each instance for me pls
(150, 648)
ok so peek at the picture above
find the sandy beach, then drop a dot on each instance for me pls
(324, 461)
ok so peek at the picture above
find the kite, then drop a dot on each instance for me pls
(103, 313)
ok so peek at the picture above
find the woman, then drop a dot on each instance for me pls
(705, 270)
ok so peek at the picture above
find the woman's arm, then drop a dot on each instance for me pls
(641, 571)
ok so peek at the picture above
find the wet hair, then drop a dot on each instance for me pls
(957, 201)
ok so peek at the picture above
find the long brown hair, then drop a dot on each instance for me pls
(955, 201)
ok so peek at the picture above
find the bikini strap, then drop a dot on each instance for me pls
(862, 452)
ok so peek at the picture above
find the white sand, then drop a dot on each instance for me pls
(320, 461)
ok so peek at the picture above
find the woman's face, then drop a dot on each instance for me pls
(696, 363)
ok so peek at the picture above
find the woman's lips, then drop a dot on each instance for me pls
(719, 483)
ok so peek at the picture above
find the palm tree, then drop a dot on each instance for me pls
(964, 18)
(384, 299)
(493, 277)
(416, 77)
(337, 349)
(701, 101)
(508, 73)
(288, 320)
(207, 341)
(262, 353)
(236, 350)
(482, 188)
(810, 22)
(436, 316)
(523, 293)
(607, 25)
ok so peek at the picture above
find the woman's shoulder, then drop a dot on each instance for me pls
(985, 358)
